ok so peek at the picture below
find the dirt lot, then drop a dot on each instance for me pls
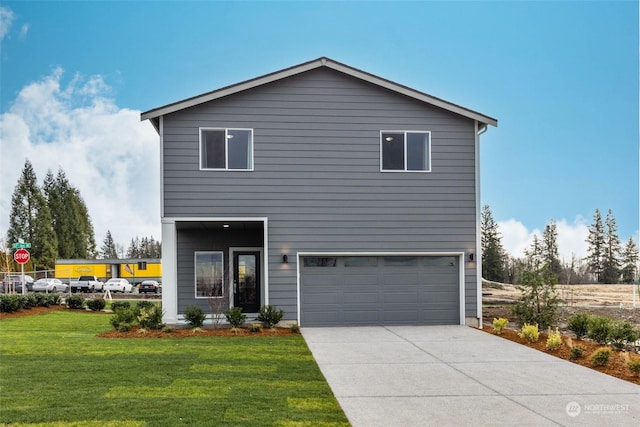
(604, 300)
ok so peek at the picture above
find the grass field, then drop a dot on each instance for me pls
(54, 371)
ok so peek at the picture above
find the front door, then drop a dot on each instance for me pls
(246, 281)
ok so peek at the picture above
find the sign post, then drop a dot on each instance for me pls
(22, 257)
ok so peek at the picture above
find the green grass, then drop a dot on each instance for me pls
(54, 371)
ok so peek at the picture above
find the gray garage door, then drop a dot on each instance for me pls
(379, 290)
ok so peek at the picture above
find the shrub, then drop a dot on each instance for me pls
(150, 318)
(500, 324)
(579, 324)
(10, 303)
(29, 301)
(123, 318)
(235, 317)
(255, 327)
(41, 300)
(52, 299)
(269, 315)
(116, 305)
(599, 329)
(96, 304)
(529, 332)
(633, 364)
(168, 329)
(577, 352)
(75, 302)
(622, 333)
(600, 357)
(539, 301)
(295, 328)
(145, 304)
(194, 316)
(554, 340)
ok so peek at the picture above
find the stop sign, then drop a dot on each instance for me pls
(21, 256)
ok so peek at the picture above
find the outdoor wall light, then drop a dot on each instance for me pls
(471, 256)
(285, 259)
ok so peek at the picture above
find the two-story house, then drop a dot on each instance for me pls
(338, 196)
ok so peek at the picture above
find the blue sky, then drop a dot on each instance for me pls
(560, 77)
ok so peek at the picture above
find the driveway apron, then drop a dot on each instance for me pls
(460, 376)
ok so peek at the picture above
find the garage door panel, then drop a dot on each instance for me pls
(381, 290)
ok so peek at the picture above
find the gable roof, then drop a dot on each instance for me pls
(155, 113)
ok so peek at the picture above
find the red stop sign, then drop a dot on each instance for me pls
(21, 256)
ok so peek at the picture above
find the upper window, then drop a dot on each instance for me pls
(405, 151)
(226, 149)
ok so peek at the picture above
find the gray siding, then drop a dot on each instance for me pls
(317, 173)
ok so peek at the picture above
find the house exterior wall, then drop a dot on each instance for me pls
(317, 174)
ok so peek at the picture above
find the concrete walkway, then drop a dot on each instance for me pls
(459, 376)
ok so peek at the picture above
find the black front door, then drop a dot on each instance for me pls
(246, 281)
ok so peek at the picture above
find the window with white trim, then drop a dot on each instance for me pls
(405, 151)
(209, 274)
(226, 149)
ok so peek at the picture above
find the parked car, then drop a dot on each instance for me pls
(49, 285)
(13, 282)
(118, 285)
(86, 284)
(149, 286)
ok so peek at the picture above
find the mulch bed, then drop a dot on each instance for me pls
(617, 362)
(222, 331)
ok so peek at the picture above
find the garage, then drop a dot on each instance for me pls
(379, 290)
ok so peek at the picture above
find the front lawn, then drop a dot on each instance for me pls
(55, 371)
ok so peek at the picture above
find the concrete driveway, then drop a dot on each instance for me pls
(459, 376)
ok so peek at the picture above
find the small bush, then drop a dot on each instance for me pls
(579, 324)
(41, 300)
(600, 357)
(117, 305)
(75, 302)
(622, 333)
(295, 328)
(529, 332)
(554, 340)
(10, 303)
(150, 318)
(577, 352)
(255, 327)
(500, 324)
(123, 317)
(633, 364)
(96, 304)
(124, 327)
(168, 329)
(599, 329)
(194, 316)
(270, 315)
(235, 317)
(29, 301)
(145, 304)
(51, 299)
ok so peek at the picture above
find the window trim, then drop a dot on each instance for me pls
(226, 149)
(195, 274)
(405, 132)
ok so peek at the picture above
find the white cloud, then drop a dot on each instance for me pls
(516, 237)
(24, 30)
(6, 19)
(105, 151)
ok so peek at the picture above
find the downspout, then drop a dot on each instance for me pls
(479, 130)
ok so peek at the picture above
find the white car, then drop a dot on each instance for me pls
(49, 285)
(118, 285)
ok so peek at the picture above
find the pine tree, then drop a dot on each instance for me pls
(108, 248)
(596, 245)
(629, 261)
(493, 254)
(30, 219)
(610, 260)
(534, 254)
(549, 249)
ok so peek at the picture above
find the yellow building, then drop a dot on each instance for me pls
(133, 269)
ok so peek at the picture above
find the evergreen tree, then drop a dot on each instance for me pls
(108, 248)
(596, 245)
(629, 261)
(610, 260)
(549, 249)
(534, 254)
(30, 219)
(134, 249)
(493, 254)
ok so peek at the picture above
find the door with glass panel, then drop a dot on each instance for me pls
(246, 281)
